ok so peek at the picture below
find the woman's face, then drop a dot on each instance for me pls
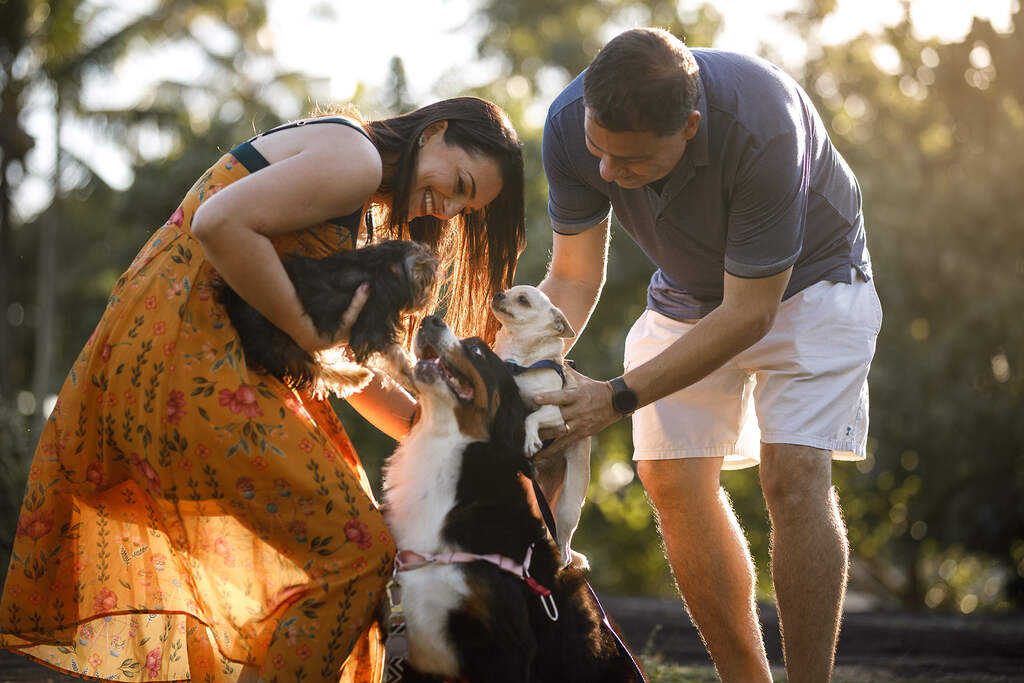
(449, 180)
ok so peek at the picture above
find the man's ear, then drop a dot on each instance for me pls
(692, 124)
(562, 326)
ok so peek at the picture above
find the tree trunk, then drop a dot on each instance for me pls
(47, 286)
(6, 285)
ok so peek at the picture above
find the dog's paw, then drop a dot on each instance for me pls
(396, 366)
(533, 443)
(577, 560)
(340, 377)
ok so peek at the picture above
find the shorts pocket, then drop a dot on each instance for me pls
(876, 307)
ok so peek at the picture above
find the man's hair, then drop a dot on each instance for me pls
(643, 80)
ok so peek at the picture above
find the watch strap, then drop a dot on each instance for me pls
(624, 399)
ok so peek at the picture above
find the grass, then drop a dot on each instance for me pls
(658, 670)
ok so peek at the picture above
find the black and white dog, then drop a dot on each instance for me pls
(401, 275)
(483, 595)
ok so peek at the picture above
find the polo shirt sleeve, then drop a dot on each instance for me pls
(768, 209)
(573, 205)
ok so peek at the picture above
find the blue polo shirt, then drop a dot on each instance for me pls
(759, 188)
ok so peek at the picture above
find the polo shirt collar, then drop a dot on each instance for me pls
(696, 153)
(697, 148)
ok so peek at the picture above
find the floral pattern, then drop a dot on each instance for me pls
(185, 514)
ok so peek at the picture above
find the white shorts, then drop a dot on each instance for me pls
(804, 383)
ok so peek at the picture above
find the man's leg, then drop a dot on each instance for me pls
(810, 556)
(711, 562)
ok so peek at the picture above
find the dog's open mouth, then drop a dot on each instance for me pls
(456, 381)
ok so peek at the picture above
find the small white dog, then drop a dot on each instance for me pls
(530, 341)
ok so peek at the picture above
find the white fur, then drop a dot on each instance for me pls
(532, 330)
(343, 377)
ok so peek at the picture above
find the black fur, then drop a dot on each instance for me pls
(400, 273)
(492, 514)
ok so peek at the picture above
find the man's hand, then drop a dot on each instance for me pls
(586, 409)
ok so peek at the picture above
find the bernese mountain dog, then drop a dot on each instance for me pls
(483, 596)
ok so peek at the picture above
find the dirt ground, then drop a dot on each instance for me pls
(874, 646)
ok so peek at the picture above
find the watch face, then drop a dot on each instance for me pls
(626, 402)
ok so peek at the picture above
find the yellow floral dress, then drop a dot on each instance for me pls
(186, 514)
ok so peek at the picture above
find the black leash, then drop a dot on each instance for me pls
(549, 519)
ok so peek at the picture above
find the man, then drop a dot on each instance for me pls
(719, 167)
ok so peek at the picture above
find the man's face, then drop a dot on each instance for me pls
(631, 159)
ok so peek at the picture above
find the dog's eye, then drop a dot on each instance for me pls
(523, 300)
(477, 351)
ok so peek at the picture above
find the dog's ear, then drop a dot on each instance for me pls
(562, 326)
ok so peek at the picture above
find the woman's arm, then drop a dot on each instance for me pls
(328, 171)
(386, 406)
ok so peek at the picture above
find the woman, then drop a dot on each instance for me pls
(188, 517)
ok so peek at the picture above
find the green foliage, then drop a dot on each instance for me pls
(937, 144)
(532, 35)
(15, 443)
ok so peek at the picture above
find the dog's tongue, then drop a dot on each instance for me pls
(463, 390)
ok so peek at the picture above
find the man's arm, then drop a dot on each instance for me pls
(574, 280)
(745, 315)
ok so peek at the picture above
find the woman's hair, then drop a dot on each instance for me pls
(644, 79)
(477, 250)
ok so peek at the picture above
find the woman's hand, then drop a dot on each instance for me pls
(311, 341)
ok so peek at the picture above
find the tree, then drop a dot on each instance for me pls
(55, 40)
(15, 143)
(935, 137)
(98, 228)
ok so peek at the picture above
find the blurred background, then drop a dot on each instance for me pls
(110, 110)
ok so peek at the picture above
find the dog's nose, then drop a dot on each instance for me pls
(433, 321)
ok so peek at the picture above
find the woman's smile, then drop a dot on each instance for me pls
(450, 180)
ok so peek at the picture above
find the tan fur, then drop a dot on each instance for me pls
(474, 417)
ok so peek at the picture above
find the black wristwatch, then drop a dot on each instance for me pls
(624, 399)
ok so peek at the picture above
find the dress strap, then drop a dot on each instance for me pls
(323, 119)
(253, 161)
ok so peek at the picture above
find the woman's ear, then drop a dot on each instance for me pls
(433, 129)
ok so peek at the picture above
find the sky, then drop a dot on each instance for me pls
(353, 42)
(433, 35)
